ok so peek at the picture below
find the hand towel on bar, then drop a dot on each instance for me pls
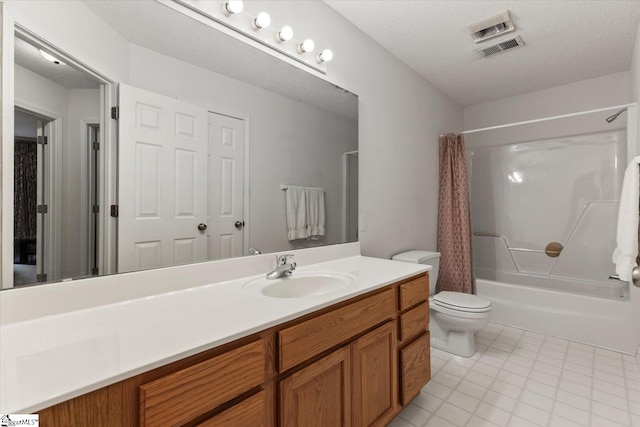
(624, 256)
(315, 212)
(296, 213)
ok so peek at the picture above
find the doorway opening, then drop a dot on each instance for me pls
(31, 197)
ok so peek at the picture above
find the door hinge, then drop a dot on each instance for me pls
(41, 277)
(114, 211)
(42, 209)
(96, 146)
(95, 209)
(43, 140)
(94, 271)
(115, 113)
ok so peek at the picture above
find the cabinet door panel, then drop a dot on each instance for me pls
(318, 395)
(415, 362)
(375, 383)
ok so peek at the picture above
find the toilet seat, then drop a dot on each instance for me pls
(459, 301)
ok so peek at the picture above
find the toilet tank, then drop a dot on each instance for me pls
(423, 257)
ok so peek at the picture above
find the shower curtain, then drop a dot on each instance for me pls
(454, 218)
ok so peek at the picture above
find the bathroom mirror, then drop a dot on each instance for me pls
(289, 128)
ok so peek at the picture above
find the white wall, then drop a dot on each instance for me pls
(290, 142)
(635, 96)
(605, 91)
(83, 107)
(36, 92)
(635, 82)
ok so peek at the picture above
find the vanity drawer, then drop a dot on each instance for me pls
(188, 393)
(414, 292)
(415, 365)
(414, 322)
(307, 339)
(250, 412)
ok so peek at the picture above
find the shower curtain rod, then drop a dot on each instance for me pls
(544, 119)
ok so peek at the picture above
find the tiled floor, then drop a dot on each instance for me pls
(520, 378)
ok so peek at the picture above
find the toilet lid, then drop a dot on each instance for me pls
(462, 302)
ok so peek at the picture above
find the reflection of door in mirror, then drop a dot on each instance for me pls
(28, 171)
(162, 176)
(226, 186)
(55, 105)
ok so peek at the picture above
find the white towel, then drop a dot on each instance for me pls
(296, 213)
(624, 256)
(315, 212)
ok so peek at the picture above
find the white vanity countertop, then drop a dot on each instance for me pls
(51, 359)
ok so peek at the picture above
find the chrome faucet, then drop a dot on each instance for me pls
(283, 268)
(254, 251)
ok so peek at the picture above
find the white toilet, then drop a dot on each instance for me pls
(454, 317)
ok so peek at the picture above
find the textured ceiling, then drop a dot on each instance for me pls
(566, 41)
(29, 57)
(155, 26)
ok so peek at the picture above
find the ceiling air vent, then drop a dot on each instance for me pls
(491, 27)
(500, 47)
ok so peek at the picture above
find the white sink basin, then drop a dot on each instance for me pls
(299, 285)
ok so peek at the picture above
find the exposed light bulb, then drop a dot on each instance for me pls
(263, 20)
(51, 58)
(285, 33)
(233, 6)
(325, 56)
(306, 46)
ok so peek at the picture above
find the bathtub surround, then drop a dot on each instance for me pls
(626, 253)
(551, 311)
(454, 218)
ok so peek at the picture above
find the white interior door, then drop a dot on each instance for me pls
(162, 181)
(226, 186)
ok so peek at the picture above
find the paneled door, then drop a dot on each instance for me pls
(226, 186)
(162, 181)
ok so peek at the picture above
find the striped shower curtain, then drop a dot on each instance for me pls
(454, 218)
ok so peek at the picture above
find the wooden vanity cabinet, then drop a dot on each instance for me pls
(352, 364)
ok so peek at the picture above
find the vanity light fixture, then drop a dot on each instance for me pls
(285, 33)
(306, 46)
(51, 58)
(233, 6)
(324, 56)
(263, 20)
(232, 14)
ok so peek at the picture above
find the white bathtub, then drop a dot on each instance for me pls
(603, 322)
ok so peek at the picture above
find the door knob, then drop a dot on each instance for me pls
(635, 276)
(239, 224)
(202, 227)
